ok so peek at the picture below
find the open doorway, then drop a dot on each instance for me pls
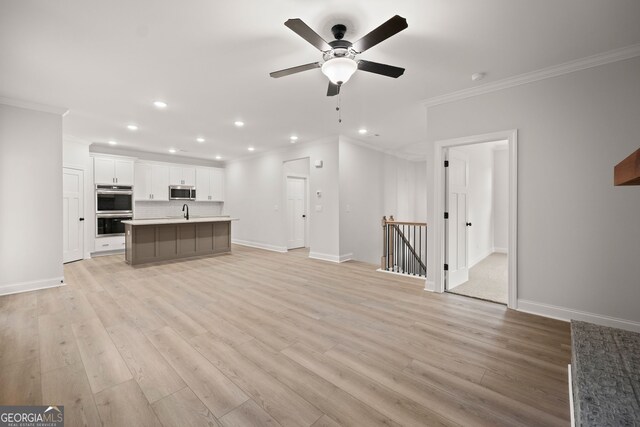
(452, 249)
(476, 202)
(296, 174)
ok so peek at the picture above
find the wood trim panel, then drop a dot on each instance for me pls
(627, 172)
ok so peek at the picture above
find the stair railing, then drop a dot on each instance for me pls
(404, 247)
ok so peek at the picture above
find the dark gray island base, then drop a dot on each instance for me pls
(161, 240)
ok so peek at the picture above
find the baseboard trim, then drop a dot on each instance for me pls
(500, 250)
(430, 286)
(400, 274)
(346, 257)
(35, 285)
(258, 245)
(106, 253)
(330, 258)
(568, 314)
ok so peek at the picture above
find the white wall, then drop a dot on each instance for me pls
(578, 235)
(359, 185)
(298, 167)
(479, 201)
(374, 184)
(255, 194)
(501, 199)
(361, 201)
(31, 203)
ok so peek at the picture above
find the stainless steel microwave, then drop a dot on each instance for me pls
(182, 192)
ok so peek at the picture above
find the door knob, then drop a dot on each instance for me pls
(304, 216)
(468, 224)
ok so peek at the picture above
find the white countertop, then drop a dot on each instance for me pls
(158, 221)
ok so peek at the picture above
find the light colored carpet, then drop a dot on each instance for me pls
(487, 280)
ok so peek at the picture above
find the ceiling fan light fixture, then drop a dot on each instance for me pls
(339, 70)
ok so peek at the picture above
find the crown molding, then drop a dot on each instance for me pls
(615, 55)
(33, 106)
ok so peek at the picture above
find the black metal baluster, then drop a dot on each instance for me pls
(413, 259)
(420, 244)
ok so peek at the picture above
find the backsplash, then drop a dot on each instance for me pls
(146, 210)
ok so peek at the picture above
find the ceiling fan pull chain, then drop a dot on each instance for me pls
(338, 109)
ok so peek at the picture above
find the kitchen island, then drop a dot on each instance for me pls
(152, 240)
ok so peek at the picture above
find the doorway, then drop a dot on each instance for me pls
(476, 202)
(296, 212)
(464, 257)
(72, 214)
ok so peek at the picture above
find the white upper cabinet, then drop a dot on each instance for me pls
(210, 184)
(217, 185)
(152, 182)
(181, 175)
(202, 184)
(160, 182)
(142, 186)
(109, 170)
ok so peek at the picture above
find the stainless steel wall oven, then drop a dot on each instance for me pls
(114, 204)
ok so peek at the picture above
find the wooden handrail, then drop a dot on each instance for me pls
(393, 221)
(421, 224)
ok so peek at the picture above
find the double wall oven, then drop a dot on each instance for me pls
(114, 204)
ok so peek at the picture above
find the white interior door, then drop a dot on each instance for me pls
(457, 240)
(72, 214)
(296, 212)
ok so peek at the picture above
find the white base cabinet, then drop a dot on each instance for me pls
(109, 243)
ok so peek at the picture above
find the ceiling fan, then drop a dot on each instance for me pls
(339, 56)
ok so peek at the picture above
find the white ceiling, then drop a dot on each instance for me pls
(210, 61)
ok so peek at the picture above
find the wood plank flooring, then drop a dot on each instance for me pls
(262, 338)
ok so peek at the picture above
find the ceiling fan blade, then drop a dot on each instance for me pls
(304, 31)
(383, 32)
(382, 69)
(294, 70)
(333, 89)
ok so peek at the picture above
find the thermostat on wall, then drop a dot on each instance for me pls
(318, 163)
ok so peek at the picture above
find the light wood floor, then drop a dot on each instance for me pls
(261, 338)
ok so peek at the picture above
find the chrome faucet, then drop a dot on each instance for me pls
(186, 216)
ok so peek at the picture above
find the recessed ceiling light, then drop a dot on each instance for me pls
(362, 131)
(132, 127)
(113, 143)
(160, 104)
(218, 157)
(238, 123)
(200, 139)
(250, 148)
(172, 150)
(477, 76)
(293, 138)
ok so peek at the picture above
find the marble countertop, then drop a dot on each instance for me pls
(180, 220)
